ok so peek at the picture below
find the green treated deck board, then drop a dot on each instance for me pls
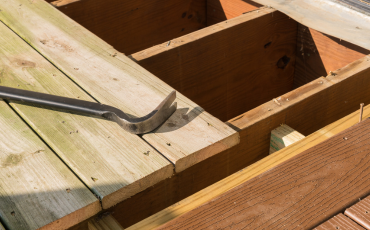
(188, 137)
(109, 160)
(36, 187)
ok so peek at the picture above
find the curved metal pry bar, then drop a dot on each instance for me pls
(138, 125)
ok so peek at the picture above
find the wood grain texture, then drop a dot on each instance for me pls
(340, 222)
(133, 25)
(282, 137)
(189, 136)
(307, 109)
(248, 173)
(36, 189)
(104, 223)
(318, 54)
(360, 212)
(231, 67)
(109, 160)
(303, 191)
(221, 10)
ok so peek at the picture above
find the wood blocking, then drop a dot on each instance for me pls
(282, 137)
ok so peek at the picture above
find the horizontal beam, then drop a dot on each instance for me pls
(248, 173)
(133, 25)
(230, 67)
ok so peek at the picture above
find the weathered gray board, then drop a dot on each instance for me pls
(331, 17)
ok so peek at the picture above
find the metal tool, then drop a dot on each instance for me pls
(138, 125)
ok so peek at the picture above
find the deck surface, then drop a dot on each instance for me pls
(78, 165)
(303, 191)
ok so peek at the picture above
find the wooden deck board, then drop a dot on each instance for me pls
(339, 222)
(249, 172)
(188, 137)
(109, 160)
(36, 188)
(303, 191)
(360, 212)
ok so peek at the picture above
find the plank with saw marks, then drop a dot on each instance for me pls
(113, 163)
(189, 136)
(36, 188)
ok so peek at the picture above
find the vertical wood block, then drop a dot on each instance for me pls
(282, 137)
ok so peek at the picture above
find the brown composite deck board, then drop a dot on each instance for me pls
(360, 212)
(301, 192)
(339, 221)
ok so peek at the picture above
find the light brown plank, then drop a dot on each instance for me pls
(231, 67)
(191, 135)
(104, 223)
(36, 189)
(109, 160)
(221, 10)
(340, 222)
(133, 25)
(282, 137)
(360, 212)
(318, 54)
(248, 173)
(302, 192)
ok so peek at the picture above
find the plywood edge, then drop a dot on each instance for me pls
(248, 173)
(199, 34)
(137, 186)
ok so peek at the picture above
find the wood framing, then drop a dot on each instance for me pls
(133, 25)
(304, 191)
(318, 54)
(254, 170)
(231, 67)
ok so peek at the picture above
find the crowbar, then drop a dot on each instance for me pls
(138, 125)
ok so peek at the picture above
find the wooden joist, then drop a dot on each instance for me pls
(303, 191)
(188, 137)
(37, 190)
(318, 54)
(248, 173)
(111, 162)
(134, 25)
(231, 67)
